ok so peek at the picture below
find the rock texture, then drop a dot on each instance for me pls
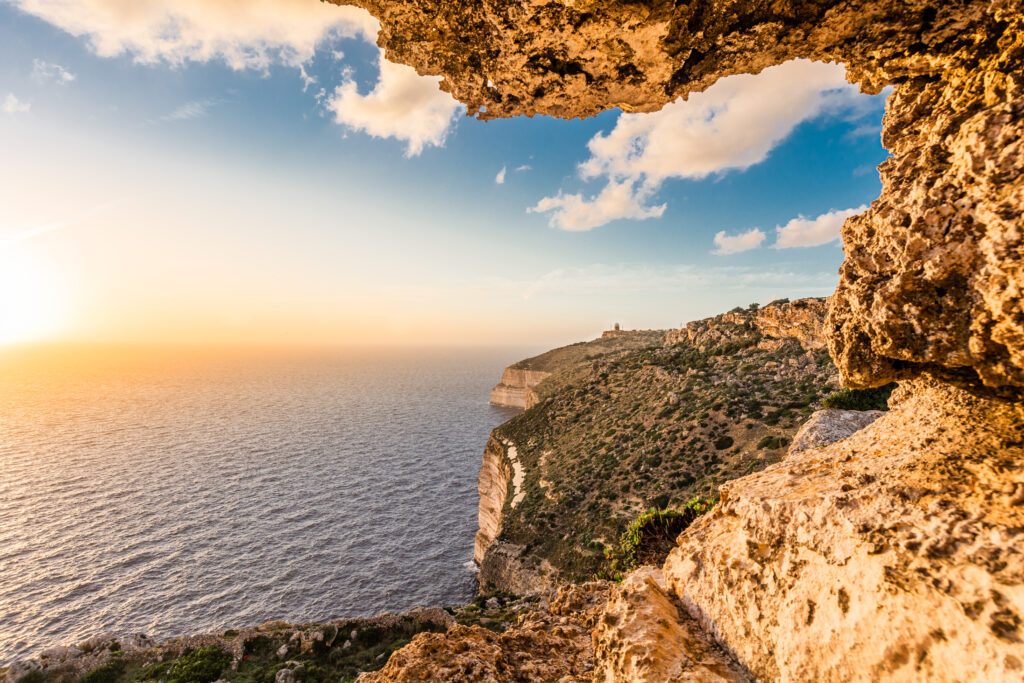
(510, 568)
(644, 635)
(552, 644)
(516, 389)
(492, 486)
(802, 320)
(826, 427)
(896, 554)
(934, 270)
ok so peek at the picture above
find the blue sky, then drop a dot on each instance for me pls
(199, 189)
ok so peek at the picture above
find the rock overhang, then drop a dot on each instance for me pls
(933, 280)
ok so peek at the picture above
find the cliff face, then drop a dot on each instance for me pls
(495, 477)
(802, 320)
(516, 387)
(893, 553)
(623, 430)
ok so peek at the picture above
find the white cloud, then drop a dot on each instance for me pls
(402, 105)
(242, 33)
(734, 244)
(48, 72)
(500, 178)
(254, 34)
(523, 169)
(813, 232)
(190, 111)
(731, 126)
(12, 105)
(575, 212)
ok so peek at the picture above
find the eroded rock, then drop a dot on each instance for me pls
(552, 644)
(644, 636)
(825, 427)
(895, 554)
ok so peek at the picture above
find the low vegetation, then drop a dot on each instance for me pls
(860, 399)
(617, 433)
(650, 537)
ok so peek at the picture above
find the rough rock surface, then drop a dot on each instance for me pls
(896, 554)
(644, 635)
(802, 320)
(552, 644)
(507, 567)
(826, 427)
(492, 487)
(934, 270)
(516, 388)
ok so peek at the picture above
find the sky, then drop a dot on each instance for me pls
(254, 171)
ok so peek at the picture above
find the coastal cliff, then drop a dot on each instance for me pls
(516, 388)
(894, 553)
(653, 424)
(891, 554)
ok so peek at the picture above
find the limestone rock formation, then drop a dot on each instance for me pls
(802, 320)
(552, 644)
(895, 554)
(644, 635)
(826, 427)
(492, 486)
(932, 278)
(516, 389)
(510, 568)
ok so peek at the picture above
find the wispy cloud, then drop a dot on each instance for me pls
(13, 105)
(47, 72)
(500, 178)
(32, 232)
(190, 111)
(640, 278)
(523, 168)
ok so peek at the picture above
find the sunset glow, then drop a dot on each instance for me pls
(31, 306)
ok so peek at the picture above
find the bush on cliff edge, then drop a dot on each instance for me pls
(860, 399)
(649, 538)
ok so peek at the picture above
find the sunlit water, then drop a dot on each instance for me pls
(178, 492)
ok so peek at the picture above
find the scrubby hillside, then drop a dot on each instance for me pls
(618, 433)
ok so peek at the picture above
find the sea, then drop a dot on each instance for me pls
(171, 491)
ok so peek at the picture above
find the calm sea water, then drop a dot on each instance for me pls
(171, 492)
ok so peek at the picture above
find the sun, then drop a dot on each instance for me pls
(31, 306)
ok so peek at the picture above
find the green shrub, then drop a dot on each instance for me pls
(772, 442)
(199, 666)
(106, 673)
(860, 399)
(649, 538)
(723, 442)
